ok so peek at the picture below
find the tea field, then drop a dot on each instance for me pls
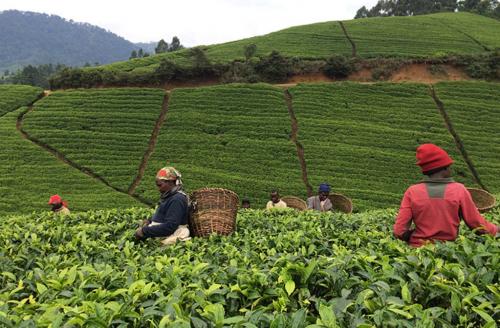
(104, 130)
(280, 269)
(476, 119)
(362, 138)
(29, 175)
(15, 96)
(235, 137)
(424, 36)
(417, 36)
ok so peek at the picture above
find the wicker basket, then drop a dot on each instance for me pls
(340, 203)
(484, 200)
(213, 211)
(295, 202)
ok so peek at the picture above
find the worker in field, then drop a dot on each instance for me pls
(245, 203)
(275, 201)
(321, 202)
(58, 205)
(436, 205)
(170, 220)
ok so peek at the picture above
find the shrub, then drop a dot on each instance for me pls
(338, 66)
(274, 68)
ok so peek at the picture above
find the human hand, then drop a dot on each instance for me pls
(139, 234)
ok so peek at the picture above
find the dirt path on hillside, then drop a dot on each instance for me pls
(61, 157)
(294, 138)
(151, 145)
(458, 141)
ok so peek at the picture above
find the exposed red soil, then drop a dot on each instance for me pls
(421, 73)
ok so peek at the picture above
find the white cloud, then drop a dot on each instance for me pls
(193, 21)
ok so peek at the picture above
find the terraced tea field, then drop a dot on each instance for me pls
(413, 37)
(104, 130)
(423, 36)
(15, 96)
(362, 138)
(235, 137)
(29, 175)
(474, 110)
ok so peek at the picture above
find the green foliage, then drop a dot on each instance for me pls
(29, 175)
(362, 138)
(104, 130)
(416, 37)
(338, 67)
(424, 37)
(249, 50)
(274, 68)
(280, 269)
(15, 96)
(235, 137)
(475, 114)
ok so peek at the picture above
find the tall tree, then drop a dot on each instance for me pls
(175, 44)
(161, 47)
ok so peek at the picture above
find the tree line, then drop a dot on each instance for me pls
(161, 47)
(383, 8)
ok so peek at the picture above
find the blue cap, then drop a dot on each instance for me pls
(324, 187)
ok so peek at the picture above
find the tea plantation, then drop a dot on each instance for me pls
(280, 269)
(477, 120)
(425, 36)
(362, 138)
(104, 130)
(15, 96)
(235, 137)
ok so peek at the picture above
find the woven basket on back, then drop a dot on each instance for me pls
(295, 202)
(484, 200)
(214, 211)
(340, 203)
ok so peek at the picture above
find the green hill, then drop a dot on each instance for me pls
(401, 37)
(361, 138)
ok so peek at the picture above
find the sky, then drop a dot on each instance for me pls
(195, 22)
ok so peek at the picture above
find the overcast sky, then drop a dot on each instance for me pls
(195, 22)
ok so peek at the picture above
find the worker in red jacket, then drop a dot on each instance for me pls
(437, 204)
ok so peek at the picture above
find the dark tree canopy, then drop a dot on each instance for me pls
(421, 7)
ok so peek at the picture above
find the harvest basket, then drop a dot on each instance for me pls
(213, 211)
(484, 200)
(295, 202)
(340, 203)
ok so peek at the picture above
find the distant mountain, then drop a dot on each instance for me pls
(34, 38)
(148, 47)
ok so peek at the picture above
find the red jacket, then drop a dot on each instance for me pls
(435, 206)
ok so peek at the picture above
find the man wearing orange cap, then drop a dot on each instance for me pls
(437, 204)
(170, 219)
(58, 205)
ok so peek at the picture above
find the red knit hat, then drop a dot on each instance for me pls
(55, 199)
(430, 157)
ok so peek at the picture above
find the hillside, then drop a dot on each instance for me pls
(33, 38)
(280, 269)
(253, 138)
(427, 36)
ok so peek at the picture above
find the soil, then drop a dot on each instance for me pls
(151, 145)
(421, 73)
